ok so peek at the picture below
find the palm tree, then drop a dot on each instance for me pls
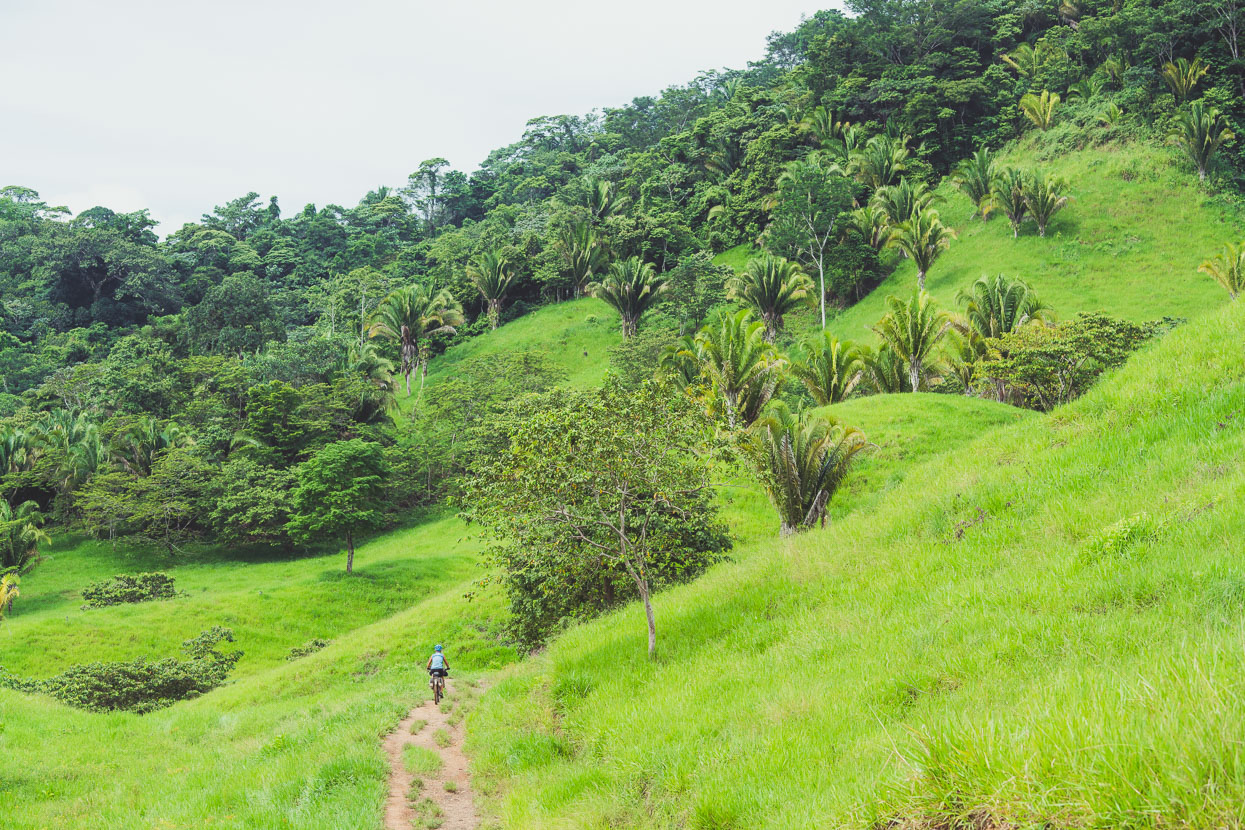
(138, 446)
(8, 593)
(377, 397)
(870, 222)
(995, 306)
(1009, 196)
(1040, 109)
(18, 450)
(631, 287)
(583, 253)
(900, 202)
(879, 162)
(1026, 60)
(1111, 115)
(825, 127)
(410, 315)
(1183, 75)
(911, 330)
(801, 459)
(771, 286)
(1200, 132)
(1044, 197)
(922, 238)
(492, 274)
(604, 199)
(884, 373)
(1228, 269)
(20, 536)
(741, 367)
(1085, 89)
(975, 177)
(830, 370)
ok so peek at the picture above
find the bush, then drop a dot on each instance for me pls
(309, 647)
(139, 685)
(128, 588)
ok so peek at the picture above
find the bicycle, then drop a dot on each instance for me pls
(438, 688)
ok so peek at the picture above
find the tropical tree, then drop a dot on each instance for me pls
(884, 372)
(1111, 115)
(1040, 109)
(879, 162)
(1200, 132)
(408, 316)
(995, 306)
(911, 330)
(604, 199)
(1085, 89)
(801, 460)
(18, 450)
(871, 223)
(137, 446)
(903, 201)
(631, 287)
(1182, 76)
(492, 274)
(583, 254)
(1228, 269)
(830, 368)
(803, 214)
(20, 536)
(975, 177)
(771, 286)
(1028, 61)
(740, 366)
(1044, 195)
(922, 238)
(1009, 196)
(8, 593)
(340, 494)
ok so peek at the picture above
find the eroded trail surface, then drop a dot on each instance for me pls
(428, 782)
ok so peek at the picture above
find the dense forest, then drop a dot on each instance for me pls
(259, 377)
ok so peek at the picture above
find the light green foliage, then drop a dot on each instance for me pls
(911, 330)
(630, 287)
(829, 368)
(21, 535)
(1228, 269)
(492, 275)
(731, 358)
(408, 317)
(922, 237)
(421, 760)
(1040, 109)
(1200, 132)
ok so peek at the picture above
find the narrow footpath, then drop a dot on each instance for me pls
(429, 786)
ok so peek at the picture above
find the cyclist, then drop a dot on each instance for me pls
(438, 666)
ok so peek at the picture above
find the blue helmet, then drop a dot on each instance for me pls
(437, 648)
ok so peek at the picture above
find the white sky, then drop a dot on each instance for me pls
(179, 106)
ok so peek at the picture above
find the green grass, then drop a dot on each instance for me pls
(736, 258)
(284, 744)
(983, 641)
(1129, 244)
(421, 760)
(575, 335)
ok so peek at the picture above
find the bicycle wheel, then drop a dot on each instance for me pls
(436, 691)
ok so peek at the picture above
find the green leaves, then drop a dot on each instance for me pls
(340, 493)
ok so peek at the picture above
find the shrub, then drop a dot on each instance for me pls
(124, 588)
(139, 685)
(309, 647)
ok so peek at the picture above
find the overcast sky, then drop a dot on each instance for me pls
(179, 106)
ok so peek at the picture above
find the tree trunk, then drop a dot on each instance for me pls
(920, 283)
(494, 313)
(408, 382)
(821, 275)
(914, 374)
(349, 552)
(652, 622)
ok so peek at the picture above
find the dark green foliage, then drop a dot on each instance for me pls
(600, 498)
(124, 588)
(139, 685)
(340, 494)
(1044, 366)
(309, 647)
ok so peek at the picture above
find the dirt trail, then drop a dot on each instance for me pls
(428, 799)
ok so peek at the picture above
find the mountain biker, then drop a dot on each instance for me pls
(438, 666)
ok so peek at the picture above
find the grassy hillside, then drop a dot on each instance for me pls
(1129, 244)
(1042, 628)
(287, 744)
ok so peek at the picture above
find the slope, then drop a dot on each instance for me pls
(1041, 628)
(1129, 243)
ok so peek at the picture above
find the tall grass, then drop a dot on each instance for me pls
(994, 640)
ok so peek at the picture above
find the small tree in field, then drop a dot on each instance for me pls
(600, 481)
(340, 493)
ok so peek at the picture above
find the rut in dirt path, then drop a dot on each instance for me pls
(428, 782)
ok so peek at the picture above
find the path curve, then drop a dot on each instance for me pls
(454, 807)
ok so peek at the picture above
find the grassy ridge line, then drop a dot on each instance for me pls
(1044, 627)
